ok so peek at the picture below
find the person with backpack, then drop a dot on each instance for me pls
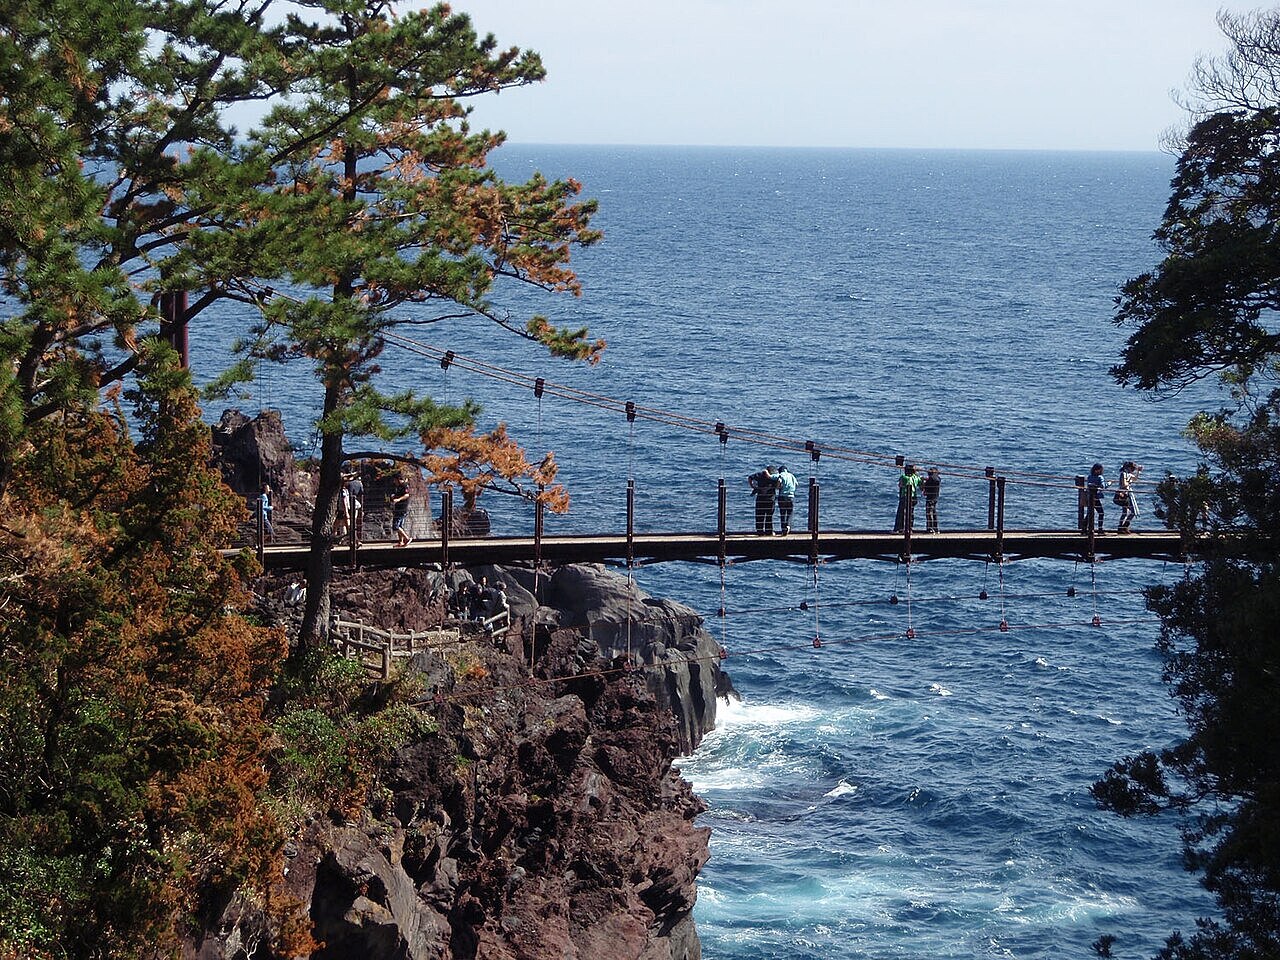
(908, 492)
(1125, 498)
(1094, 484)
(764, 484)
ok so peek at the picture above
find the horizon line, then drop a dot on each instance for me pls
(831, 147)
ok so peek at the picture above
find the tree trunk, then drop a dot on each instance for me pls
(315, 617)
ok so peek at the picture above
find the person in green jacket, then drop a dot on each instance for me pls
(908, 492)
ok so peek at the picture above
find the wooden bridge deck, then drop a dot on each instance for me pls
(829, 545)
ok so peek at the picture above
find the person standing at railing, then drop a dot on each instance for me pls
(908, 492)
(1126, 496)
(786, 498)
(1094, 484)
(342, 520)
(931, 487)
(764, 484)
(400, 510)
(264, 507)
(355, 497)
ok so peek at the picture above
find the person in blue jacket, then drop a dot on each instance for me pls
(786, 498)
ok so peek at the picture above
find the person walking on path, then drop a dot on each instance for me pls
(1094, 484)
(1126, 496)
(765, 485)
(399, 511)
(931, 487)
(908, 492)
(786, 498)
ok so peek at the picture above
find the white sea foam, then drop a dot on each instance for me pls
(740, 713)
(841, 789)
(939, 689)
(877, 695)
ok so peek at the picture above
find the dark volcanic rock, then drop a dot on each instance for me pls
(667, 637)
(563, 833)
(541, 817)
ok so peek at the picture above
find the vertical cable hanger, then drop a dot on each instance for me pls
(631, 514)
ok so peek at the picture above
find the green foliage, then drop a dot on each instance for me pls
(336, 729)
(130, 689)
(1209, 307)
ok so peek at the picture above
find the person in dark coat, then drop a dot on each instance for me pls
(931, 488)
(765, 486)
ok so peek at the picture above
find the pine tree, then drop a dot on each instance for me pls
(381, 201)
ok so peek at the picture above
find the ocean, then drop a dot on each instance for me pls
(882, 795)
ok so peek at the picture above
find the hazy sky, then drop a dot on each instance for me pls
(1038, 74)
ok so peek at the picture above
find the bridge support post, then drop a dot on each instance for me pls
(991, 497)
(999, 518)
(260, 535)
(539, 516)
(1081, 503)
(815, 495)
(446, 524)
(722, 516)
(631, 523)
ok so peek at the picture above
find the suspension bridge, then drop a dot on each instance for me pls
(817, 542)
(826, 546)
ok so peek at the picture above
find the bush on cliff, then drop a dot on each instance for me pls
(131, 689)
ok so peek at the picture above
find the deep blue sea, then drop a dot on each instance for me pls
(881, 796)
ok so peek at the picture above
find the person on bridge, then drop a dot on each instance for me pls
(1126, 496)
(342, 520)
(400, 510)
(931, 487)
(765, 485)
(355, 496)
(786, 498)
(264, 505)
(908, 492)
(1094, 484)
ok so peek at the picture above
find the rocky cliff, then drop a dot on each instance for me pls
(540, 816)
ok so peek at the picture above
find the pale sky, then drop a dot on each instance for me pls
(1012, 74)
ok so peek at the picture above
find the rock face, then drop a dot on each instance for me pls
(541, 817)
(681, 658)
(531, 826)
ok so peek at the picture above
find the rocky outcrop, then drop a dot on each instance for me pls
(681, 659)
(529, 826)
(543, 817)
(540, 816)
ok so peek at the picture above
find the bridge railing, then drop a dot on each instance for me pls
(452, 526)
